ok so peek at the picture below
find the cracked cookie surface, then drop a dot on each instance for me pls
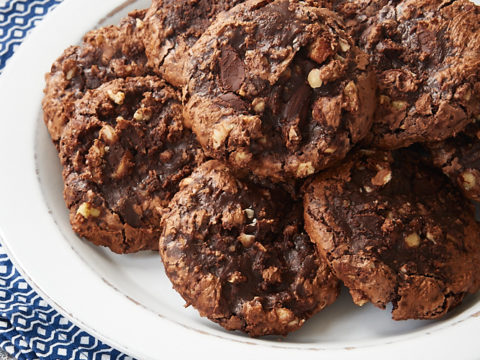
(172, 27)
(427, 59)
(459, 159)
(124, 153)
(105, 54)
(238, 253)
(394, 230)
(278, 88)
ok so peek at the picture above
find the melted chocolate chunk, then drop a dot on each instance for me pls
(232, 71)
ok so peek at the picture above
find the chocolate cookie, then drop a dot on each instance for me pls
(124, 153)
(459, 158)
(105, 54)
(395, 230)
(238, 253)
(279, 88)
(172, 27)
(358, 15)
(427, 57)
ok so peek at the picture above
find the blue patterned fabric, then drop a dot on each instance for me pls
(29, 327)
(17, 18)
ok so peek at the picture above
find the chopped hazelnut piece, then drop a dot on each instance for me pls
(220, 133)
(468, 180)
(86, 210)
(139, 23)
(263, 140)
(351, 95)
(272, 275)
(124, 166)
(142, 114)
(383, 177)
(294, 322)
(431, 237)
(399, 105)
(97, 149)
(284, 315)
(71, 73)
(241, 156)
(383, 99)
(305, 169)
(344, 45)
(250, 213)
(314, 79)
(246, 240)
(292, 134)
(413, 240)
(258, 105)
(107, 134)
(185, 182)
(361, 302)
(117, 97)
(236, 277)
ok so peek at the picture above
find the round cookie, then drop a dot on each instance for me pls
(238, 253)
(278, 87)
(459, 159)
(105, 54)
(124, 153)
(395, 230)
(171, 29)
(427, 58)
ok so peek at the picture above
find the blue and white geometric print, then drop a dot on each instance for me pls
(32, 329)
(29, 327)
(17, 18)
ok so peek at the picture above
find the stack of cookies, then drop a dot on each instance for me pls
(273, 149)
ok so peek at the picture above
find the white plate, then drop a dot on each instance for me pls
(127, 301)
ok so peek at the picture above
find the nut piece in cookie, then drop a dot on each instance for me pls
(172, 27)
(395, 230)
(238, 253)
(427, 58)
(278, 87)
(459, 159)
(105, 54)
(124, 152)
